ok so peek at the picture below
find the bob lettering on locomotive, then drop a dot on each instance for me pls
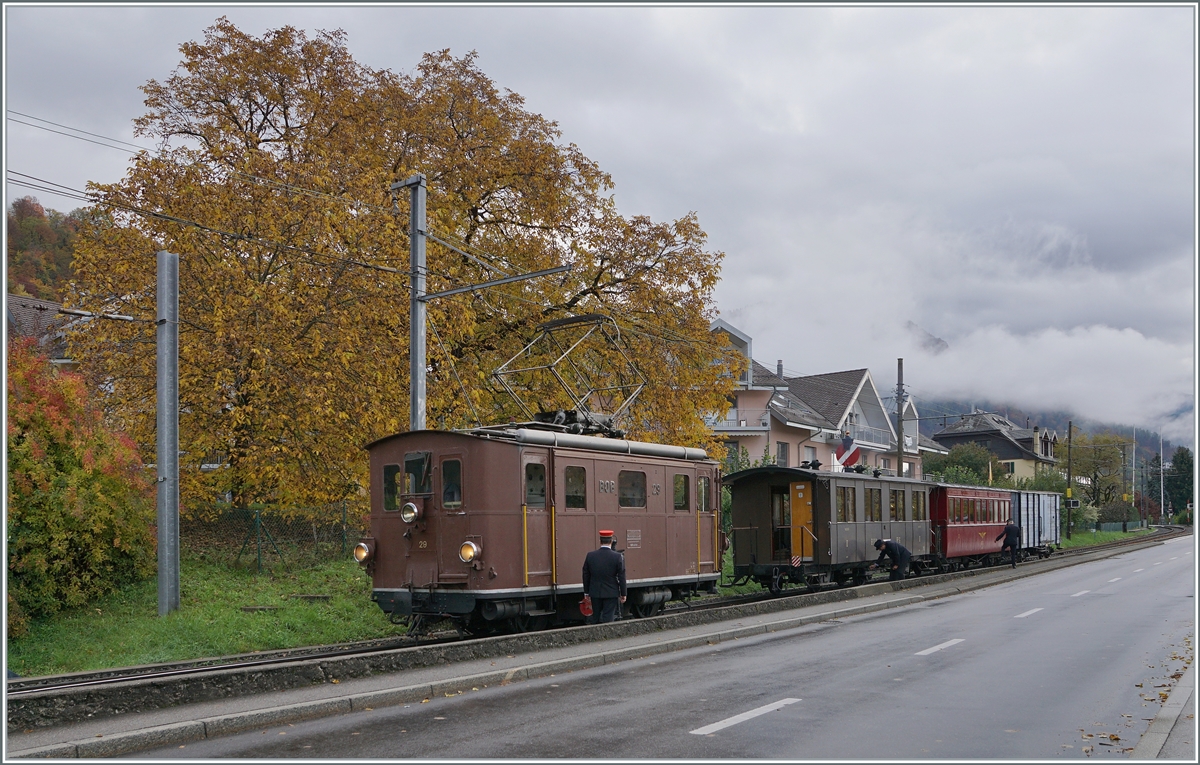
(489, 527)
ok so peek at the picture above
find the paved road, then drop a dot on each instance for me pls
(1047, 666)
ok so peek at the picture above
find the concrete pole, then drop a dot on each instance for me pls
(1070, 515)
(900, 417)
(1162, 495)
(416, 299)
(168, 432)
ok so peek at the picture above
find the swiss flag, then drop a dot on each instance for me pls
(847, 452)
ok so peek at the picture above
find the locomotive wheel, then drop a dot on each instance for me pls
(527, 623)
(646, 610)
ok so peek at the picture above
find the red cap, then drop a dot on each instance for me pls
(606, 533)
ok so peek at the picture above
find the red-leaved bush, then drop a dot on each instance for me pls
(80, 502)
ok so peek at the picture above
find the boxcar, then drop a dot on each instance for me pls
(1038, 515)
(809, 527)
(490, 527)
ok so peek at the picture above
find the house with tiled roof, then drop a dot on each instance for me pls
(26, 316)
(764, 418)
(1025, 452)
(913, 438)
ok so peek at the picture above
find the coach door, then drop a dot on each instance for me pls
(781, 524)
(804, 543)
(535, 521)
(706, 523)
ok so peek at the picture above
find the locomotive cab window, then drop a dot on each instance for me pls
(703, 493)
(417, 469)
(631, 488)
(682, 494)
(576, 481)
(535, 484)
(391, 488)
(451, 484)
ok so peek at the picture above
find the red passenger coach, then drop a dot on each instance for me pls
(489, 527)
(966, 521)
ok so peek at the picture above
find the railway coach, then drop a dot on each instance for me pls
(800, 526)
(489, 527)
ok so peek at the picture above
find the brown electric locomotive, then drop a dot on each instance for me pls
(489, 527)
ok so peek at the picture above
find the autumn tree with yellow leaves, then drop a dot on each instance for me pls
(271, 180)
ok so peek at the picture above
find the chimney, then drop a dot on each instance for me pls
(779, 367)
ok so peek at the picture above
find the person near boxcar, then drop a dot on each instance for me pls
(898, 553)
(1012, 540)
(604, 579)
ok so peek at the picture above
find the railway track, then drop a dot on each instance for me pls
(19, 687)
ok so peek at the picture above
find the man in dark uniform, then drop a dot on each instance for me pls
(898, 553)
(1012, 540)
(604, 579)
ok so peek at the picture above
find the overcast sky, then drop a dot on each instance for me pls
(1018, 181)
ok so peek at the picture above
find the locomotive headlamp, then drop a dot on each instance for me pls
(468, 551)
(362, 552)
(409, 512)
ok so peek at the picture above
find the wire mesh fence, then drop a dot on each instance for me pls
(273, 538)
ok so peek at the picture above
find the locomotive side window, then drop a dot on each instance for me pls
(416, 473)
(846, 511)
(681, 493)
(896, 504)
(535, 484)
(918, 506)
(702, 493)
(576, 478)
(631, 488)
(391, 488)
(452, 484)
(874, 504)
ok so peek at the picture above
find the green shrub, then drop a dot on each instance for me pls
(79, 499)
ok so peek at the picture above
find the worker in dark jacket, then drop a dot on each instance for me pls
(898, 553)
(1012, 540)
(604, 579)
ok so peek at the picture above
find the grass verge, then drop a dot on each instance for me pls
(125, 630)
(1088, 538)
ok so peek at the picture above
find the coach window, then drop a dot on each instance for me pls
(535, 484)
(576, 480)
(631, 488)
(846, 512)
(682, 494)
(451, 484)
(391, 488)
(874, 505)
(896, 504)
(918, 506)
(416, 473)
(955, 510)
(702, 494)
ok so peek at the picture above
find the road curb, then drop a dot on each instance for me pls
(212, 727)
(1155, 737)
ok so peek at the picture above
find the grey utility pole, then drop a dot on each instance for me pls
(168, 432)
(900, 417)
(1070, 515)
(417, 297)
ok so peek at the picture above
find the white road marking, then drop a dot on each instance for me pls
(1159, 563)
(743, 717)
(938, 647)
(1138, 569)
(1110, 581)
(1174, 557)
(1081, 592)
(1027, 613)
